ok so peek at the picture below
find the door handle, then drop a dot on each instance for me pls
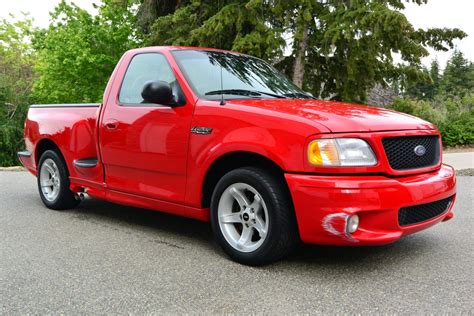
(112, 124)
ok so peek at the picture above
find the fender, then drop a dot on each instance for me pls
(238, 128)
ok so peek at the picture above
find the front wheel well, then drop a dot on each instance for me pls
(233, 161)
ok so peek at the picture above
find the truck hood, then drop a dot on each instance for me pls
(341, 117)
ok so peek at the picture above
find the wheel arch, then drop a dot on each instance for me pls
(48, 144)
(233, 160)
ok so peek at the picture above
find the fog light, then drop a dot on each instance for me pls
(352, 224)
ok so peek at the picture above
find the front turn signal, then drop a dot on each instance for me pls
(340, 152)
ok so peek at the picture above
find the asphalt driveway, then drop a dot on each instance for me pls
(104, 258)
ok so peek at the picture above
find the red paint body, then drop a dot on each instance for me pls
(151, 159)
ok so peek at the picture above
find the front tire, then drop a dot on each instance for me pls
(252, 216)
(53, 182)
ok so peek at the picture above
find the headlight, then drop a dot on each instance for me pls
(340, 152)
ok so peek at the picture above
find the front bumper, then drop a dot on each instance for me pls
(323, 204)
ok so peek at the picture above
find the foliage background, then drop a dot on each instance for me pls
(334, 49)
(17, 60)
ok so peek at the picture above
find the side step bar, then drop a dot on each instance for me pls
(86, 163)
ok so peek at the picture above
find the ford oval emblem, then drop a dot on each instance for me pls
(420, 150)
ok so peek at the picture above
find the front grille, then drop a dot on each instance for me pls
(423, 212)
(401, 154)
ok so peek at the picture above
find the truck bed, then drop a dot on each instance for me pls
(71, 124)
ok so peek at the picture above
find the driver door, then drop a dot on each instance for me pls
(144, 146)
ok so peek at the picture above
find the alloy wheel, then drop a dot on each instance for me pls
(50, 180)
(243, 217)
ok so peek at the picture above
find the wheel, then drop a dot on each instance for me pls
(252, 216)
(53, 182)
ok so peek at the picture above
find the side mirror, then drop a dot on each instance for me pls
(159, 92)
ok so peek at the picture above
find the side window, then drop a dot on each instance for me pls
(143, 68)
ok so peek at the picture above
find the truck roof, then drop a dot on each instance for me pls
(171, 48)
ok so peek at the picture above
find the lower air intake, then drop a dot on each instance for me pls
(423, 212)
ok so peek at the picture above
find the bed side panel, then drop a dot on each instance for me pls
(72, 128)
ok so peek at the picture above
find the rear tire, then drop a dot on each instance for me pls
(53, 182)
(252, 216)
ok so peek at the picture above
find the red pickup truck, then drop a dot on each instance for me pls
(223, 137)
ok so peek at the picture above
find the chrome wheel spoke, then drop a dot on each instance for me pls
(240, 197)
(230, 218)
(50, 169)
(260, 227)
(47, 183)
(245, 237)
(256, 204)
(49, 179)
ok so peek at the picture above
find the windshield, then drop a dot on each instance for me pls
(242, 76)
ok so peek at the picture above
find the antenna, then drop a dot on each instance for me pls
(222, 89)
(222, 80)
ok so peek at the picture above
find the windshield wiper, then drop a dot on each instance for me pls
(299, 95)
(250, 93)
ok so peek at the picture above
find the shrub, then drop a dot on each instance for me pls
(420, 108)
(16, 77)
(458, 130)
(454, 116)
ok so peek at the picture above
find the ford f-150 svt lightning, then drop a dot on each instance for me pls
(223, 137)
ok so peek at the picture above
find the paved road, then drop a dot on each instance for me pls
(103, 258)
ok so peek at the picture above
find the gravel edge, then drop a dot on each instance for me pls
(15, 168)
(465, 172)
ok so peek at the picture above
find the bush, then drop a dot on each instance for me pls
(16, 77)
(454, 116)
(420, 108)
(458, 127)
(459, 130)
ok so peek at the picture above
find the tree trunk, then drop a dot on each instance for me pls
(150, 10)
(298, 68)
(146, 15)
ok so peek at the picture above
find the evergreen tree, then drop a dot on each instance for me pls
(150, 10)
(471, 77)
(353, 42)
(422, 87)
(238, 25)
(457, 79)
(338, 49)
(427, 85)
(435, 76)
